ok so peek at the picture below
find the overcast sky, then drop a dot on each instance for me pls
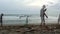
(29, 6)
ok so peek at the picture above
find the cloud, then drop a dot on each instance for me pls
(25, 3)
(41, 2)
(27, 6)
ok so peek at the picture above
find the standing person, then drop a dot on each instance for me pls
(59, 19)
(1, 16)
(43, 14)
(26, 21)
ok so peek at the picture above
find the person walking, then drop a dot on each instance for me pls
(43, 14)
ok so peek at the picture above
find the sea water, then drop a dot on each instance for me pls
(32, 19)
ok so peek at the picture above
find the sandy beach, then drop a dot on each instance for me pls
(30, 29)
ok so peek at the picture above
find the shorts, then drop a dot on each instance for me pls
(42, 19)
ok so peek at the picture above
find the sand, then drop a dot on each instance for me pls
(30, 29)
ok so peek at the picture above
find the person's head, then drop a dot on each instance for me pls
(43, 6)
(1, 14)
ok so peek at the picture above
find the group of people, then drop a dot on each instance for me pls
(42, 15)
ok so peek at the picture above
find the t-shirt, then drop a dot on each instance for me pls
(42, 12)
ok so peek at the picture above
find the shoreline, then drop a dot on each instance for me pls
(30, 24)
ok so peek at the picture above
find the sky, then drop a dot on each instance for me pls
(29, 6)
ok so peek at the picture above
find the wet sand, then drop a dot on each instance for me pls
(30, 29)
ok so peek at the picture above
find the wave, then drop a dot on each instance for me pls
(31, 20)
(22, 18)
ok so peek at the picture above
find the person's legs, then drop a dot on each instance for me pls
(1, 22)
(42, 20)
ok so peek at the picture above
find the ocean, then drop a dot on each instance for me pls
(12, 19)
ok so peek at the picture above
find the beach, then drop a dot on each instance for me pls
(30, 29)
(16, 25)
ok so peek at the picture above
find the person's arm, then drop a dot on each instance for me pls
(45, 9)
(46, 15)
